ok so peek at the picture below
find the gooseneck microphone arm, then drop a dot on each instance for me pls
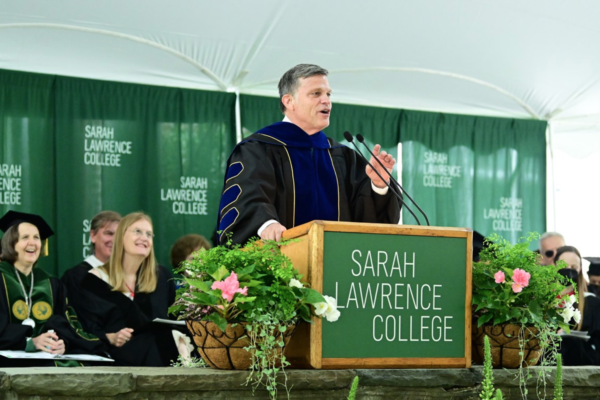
(350, 139)
(361, 139)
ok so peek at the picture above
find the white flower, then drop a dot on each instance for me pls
(333, 315)
(320, 308)
(328, 309)
(569, 301)
(296, 283)
(567, 314)
(577, 316)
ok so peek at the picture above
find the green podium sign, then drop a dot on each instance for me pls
(403, 294)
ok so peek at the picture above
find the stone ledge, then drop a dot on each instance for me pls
(166, 383)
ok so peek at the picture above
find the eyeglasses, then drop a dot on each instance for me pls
(140, 233)
(549, 253)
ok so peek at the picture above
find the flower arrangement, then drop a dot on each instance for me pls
(255, 286)
(509, 285)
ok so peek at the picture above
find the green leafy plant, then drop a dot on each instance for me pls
(191, 362)
(509, 286)
(255, 285)
(353, 389)
(487, 385)
(558, 381)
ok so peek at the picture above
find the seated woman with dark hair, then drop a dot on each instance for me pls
(34, 313)
(575, 350)
(186, 246)
(123, 297)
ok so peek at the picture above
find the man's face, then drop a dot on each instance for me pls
(310, 107)
(103, 240)
(594, 279)
(548, 248)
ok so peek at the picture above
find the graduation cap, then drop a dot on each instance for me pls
(594, 266)
(13, 218)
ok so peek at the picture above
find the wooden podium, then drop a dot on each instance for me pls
(404, 293)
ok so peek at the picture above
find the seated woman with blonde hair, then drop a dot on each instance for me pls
(576, 349)
(126, 294)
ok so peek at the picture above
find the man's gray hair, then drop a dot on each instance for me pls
(551, 234)
(288, 84)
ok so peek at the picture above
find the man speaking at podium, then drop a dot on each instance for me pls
(290, 173)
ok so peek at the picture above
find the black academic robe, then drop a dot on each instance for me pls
(72, 279)
(577, 351)
(281, 173)
(50, 311)
(105, 311)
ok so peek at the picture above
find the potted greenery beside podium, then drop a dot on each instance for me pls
(242, 305)
(517, 304)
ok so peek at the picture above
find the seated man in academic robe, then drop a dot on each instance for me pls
(102, 232)
(290, 173)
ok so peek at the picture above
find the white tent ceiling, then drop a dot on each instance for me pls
(511, 58)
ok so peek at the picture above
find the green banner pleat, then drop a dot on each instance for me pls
(478, 172)
(27, 159)
(127, 148)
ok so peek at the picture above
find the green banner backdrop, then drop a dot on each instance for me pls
(27, 136)
(478, 172)
(120, 147)
(73, 147)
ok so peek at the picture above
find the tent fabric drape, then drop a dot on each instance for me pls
(484, 173)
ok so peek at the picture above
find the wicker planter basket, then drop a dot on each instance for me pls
(504, 343)
(225, 350)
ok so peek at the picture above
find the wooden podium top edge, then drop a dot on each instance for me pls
(390, 229)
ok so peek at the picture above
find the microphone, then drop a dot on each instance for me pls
(350, 139)
(362, 140)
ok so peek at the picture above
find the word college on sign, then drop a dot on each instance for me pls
(100, 148)
(395, 303)
(10, 184)
(190, 198)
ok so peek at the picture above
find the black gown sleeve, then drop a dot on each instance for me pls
(72, 279)
(65, 324)
(249, 196)
(13, 336)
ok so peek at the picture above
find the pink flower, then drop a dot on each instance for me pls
(499, 277)
(229, 287)
(520, 280)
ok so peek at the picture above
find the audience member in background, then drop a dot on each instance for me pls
(594, 275)
(102, 232)
(185, 247)
(575, 350)
(124, 296)
(549, 242)
(34, 315)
